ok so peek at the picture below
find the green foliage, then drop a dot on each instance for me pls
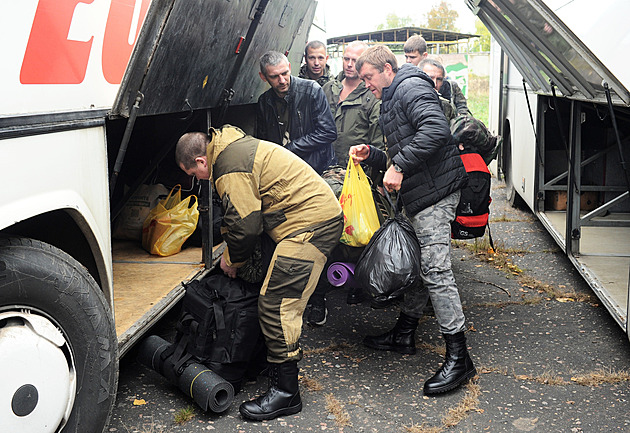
(442, 17)
(481, 44)
(393, 21)
(478, 97)
(185, 415)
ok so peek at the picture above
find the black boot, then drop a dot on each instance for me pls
(282, 397)
(401, 339)
(456, 369)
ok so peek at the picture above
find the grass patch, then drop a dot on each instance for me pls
(184, 415)
(423, 428)
(454, 415)
(547, 378)
(478, 97)
(600, 377)
(337, 409)
(500, 259)
(469, 403)
(505, 219)
(440, 350)
(311, 384)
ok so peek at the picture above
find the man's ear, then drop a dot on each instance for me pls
(201, 159)
(262, 77)
(425, 54)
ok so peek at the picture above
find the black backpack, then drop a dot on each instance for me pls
(471, 216)
(219, 327)
(475, 137)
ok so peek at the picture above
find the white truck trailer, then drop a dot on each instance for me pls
(559, 97)
(94, 95)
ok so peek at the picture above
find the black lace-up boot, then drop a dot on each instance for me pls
(282, 397)
(401, 339)
(456, 369)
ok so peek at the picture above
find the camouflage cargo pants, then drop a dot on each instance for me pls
(433, 228)
(295, 268)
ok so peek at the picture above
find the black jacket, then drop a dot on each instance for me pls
(418, 140)
(312, 127)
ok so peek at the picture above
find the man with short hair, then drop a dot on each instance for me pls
(354, 108)
(415, 49)
(435, 71)
(356, 112)
(315, 65)
(294, 113)
(424, 165)
(416, 52)
(265, 188)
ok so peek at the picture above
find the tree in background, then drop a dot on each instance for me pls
(442, 17)
(481, 44)
(393, 21)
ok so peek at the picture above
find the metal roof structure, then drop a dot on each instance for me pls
(397, 37)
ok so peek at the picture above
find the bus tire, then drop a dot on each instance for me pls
(57, 340)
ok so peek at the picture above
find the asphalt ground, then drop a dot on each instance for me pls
(549, 357)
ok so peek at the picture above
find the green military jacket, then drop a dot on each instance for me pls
(356, 118)
(325, 78)
(264, 187)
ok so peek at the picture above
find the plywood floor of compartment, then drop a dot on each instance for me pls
(142, 279)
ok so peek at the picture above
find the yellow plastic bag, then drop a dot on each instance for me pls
(360, 219)
(169, 224)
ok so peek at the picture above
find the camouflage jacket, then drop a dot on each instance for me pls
(321, 80)
(450, 90)
(264, 187)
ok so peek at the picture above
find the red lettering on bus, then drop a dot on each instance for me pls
(116, 47)
(51, 58)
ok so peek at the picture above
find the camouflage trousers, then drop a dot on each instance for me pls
(433, 228)
(293, 273)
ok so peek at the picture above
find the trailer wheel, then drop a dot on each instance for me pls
(58, 348)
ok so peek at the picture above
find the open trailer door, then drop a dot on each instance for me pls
(568, 164)
(189, 51)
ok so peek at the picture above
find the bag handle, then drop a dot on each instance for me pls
(399, 201)
(168, 201)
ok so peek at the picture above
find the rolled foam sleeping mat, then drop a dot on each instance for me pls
(149, 351)
(208, 389)
(340, 274)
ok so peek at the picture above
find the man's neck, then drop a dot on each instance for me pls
(314, 77)
(349, 84)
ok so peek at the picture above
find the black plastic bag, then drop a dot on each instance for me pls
(390, 263)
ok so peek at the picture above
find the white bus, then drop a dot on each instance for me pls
(93, 96)
(559, 97)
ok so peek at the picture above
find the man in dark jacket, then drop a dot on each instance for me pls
(427, 170)
(294, 113)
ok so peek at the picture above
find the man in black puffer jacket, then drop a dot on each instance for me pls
(426, 167)
(295, 114)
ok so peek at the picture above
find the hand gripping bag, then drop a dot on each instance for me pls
(390, 264)
(360, 219)
(169, 224)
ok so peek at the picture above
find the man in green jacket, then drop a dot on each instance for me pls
(356, 112)
(315, 65)
(353, 106)
(265, 187)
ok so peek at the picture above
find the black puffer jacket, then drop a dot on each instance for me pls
(310, 121)
(418, 140)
